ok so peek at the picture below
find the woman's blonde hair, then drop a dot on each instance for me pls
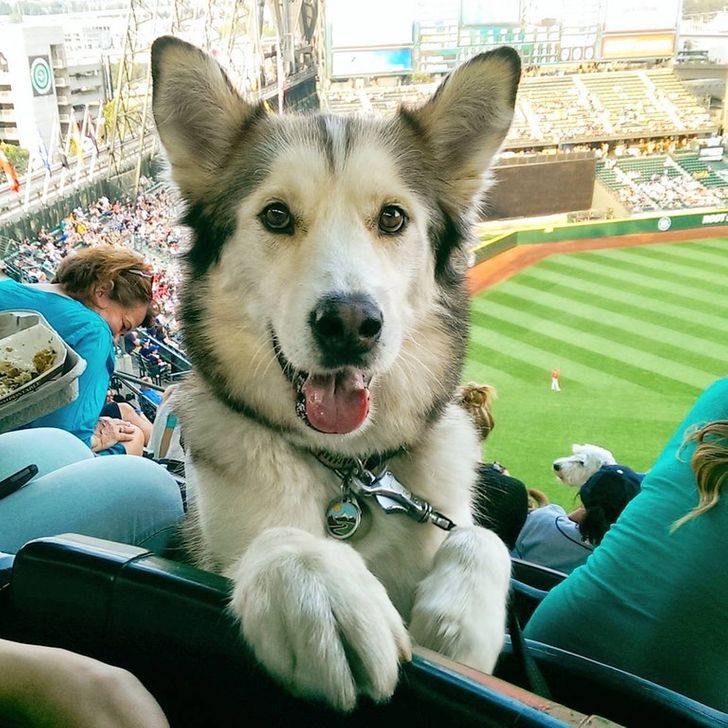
(476, 400)
(120, 272)
(710, 465)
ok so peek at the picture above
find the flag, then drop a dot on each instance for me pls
(75, 145)
(10, 172)
(91, 131)
(43, 153)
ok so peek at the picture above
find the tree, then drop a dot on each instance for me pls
(18, 157)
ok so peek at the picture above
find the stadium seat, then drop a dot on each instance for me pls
(535, 575)
(6, 568)
(530, 583)
(167, 623)
(595, 688)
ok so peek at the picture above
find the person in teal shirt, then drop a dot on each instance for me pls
(653, 598)
(97, 295)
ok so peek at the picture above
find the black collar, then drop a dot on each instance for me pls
(347, 463)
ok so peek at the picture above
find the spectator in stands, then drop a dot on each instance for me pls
(97, 295)
(131, 342)
(562, 541)
(149, 350)
(126, 412)
(477, 400)
(500, 502)
(652, 598)
(149, 399)
(157, 331)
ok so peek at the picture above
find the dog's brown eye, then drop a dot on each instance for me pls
(277, 218)
(392, 219)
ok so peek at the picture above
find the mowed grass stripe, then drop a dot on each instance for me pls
(678, 320)
(594, 343)
(695, 249)
(709, 255)
(712, 244)
(515, 359)
(687, 297)
(623, 259)
(595, 355)
(687, 255)
(658, 340)
(477, 371)
(521, 360)
(653, 265)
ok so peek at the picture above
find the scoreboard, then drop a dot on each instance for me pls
(377, 37)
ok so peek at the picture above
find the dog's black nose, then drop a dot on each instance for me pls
(557, 467)
(346, 327)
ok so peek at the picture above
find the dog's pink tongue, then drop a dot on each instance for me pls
(336, 403)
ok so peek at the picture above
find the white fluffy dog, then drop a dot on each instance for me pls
(576, 469)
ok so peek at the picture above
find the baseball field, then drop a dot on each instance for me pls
(636, 332)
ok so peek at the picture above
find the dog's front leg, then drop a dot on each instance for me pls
(460, 606)
(317, 618)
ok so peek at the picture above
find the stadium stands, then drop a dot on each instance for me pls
(662, 182)
(572, 108)
(704, 172)
(146, 224)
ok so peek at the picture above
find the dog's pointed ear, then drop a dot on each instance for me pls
(466, 121)
(197, 112)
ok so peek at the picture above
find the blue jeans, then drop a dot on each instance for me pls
(121, 498)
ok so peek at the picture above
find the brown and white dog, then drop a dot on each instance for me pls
(325, 312)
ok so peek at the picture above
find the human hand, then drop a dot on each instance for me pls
(109, 431)
(46, 687)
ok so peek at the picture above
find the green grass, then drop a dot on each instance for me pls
(637, 333)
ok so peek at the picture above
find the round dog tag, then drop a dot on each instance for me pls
(343, 517)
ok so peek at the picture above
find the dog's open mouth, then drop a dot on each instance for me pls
(335, 402)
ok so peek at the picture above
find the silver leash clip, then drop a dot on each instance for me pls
(393, 497)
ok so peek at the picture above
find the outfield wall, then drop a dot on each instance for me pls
(533, 235)
(541, 184)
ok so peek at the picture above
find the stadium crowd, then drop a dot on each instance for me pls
(640, 186)
(146, 224)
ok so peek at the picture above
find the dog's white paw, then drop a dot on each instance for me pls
(317, 619)
(460, 606)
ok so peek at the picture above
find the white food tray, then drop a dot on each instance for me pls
(22, 335)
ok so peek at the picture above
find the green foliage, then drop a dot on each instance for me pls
(637, 335)
(18, 157)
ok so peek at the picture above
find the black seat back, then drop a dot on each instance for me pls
(593, 687)
(167, 623)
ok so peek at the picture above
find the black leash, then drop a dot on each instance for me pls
(530, 672)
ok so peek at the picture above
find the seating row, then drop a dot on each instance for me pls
(167, 622)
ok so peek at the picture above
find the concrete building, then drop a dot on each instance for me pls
(90, 35)
(40, 93)
(34, 88)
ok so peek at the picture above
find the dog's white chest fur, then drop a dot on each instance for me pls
(250, 479)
